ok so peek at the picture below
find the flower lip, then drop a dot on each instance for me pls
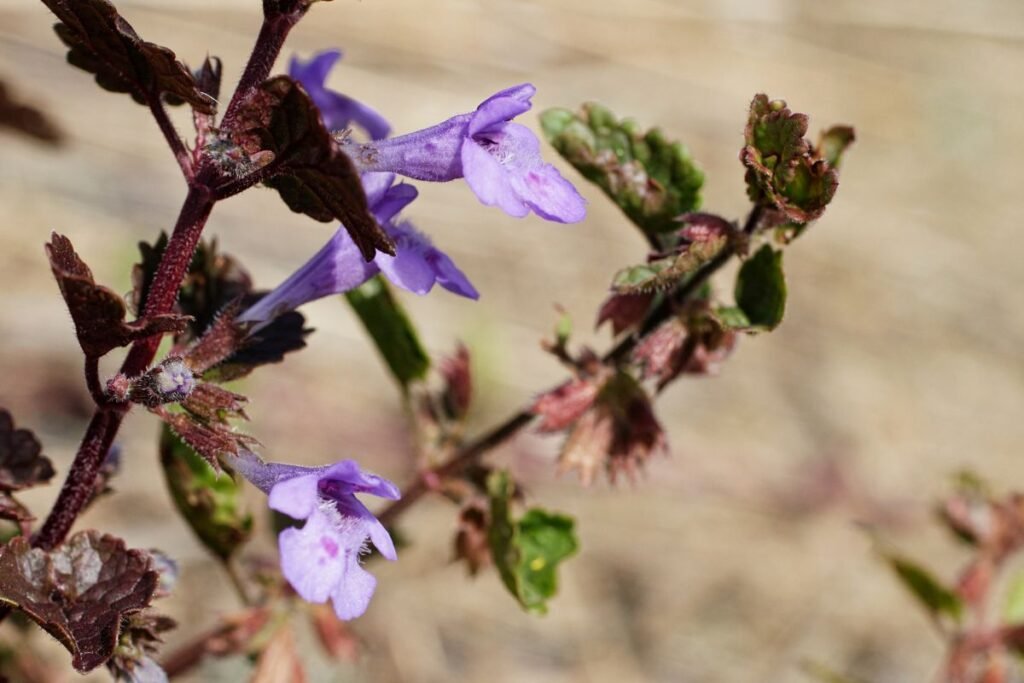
(321, 559)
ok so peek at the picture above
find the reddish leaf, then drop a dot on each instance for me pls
(223, 338)
(624, 311)
(214, 404)
(21, 463)
(458, 389)
(672, 349)
(101, 42)
(80, 592)
(313, 176)
(336, 638)
(26, 119)
(210, 440)
(704, 227)
(98, 312)
(617, 433)
(471, 541)
(279, 662)
(782, 166)
(564, 405)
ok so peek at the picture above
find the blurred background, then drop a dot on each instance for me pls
(743, 554)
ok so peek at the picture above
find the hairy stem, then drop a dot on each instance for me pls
(172, 137)
(268, 46)
(103, 428)
(92, 380)
(427, 480)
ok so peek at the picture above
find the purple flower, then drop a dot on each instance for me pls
(339, 266)
(338, 111)
(321, 560)
(500, 160)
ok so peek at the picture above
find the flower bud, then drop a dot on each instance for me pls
(169, 382)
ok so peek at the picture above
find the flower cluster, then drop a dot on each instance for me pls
(501, 163)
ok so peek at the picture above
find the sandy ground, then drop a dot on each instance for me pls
(736, 558)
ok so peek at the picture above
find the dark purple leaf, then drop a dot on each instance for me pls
(313, 176)
(99, 312)
(101, 42)
(80, 592)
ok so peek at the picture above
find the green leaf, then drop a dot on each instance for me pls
(834, 142)
(929, 591)
(667, 272)
(211, 504)
(527, 552)
(782, 167)
(563, 329)
(651, 178)
(391, 330)
(761, 288)
(1013, 609)
(732, 318)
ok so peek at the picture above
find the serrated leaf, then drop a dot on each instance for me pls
(98, 312)
(101, 42)
(761, 288)
(211, 503)
(652, 179)
(527, 552)
(935, 597)
(313, 176)
(209, 439)
(781, 165)
(80, 592)
(215, 404)
(391, 330)
(220, 341)
(668, 272)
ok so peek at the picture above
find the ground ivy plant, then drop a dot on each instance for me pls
(336, 160)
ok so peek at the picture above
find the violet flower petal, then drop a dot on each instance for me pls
(490, 181)
(295, 497)
(451, 278)
(315, 558)
(337, 267)
(417, 264)
(338, 111)
(500, 160)
(501, 107)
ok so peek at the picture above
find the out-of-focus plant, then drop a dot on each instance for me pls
(979, 613)
(334, 159)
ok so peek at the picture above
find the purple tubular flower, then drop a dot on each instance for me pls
(339, 111)
(500, 160)
(321, 560)
(339, 266)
